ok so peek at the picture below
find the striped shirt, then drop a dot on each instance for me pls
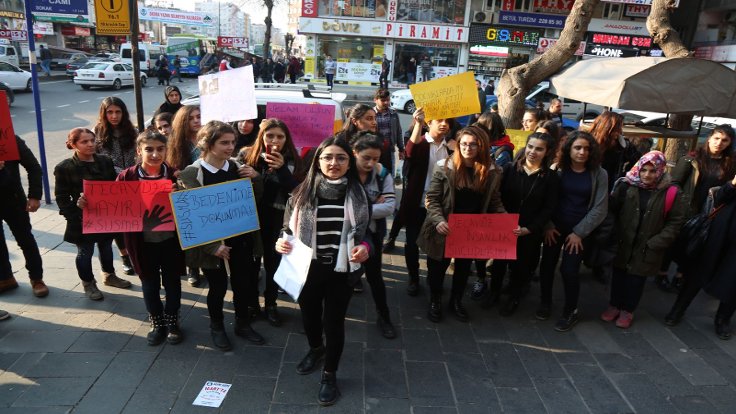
(330, 217)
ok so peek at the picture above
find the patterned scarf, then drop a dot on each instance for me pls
(657, 159)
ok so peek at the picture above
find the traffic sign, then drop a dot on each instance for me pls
(113, 17)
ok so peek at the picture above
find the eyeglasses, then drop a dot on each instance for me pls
(340, 159)
(469, 144)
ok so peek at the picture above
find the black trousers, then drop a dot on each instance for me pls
(158, 267)
(626, 290)
(240, 265)
(19, 223)
(324, 302)
(375, 278)
(690, 289)
(436, 275)
(569, 268)
(414, 221)
(271, 223)
(527, 255)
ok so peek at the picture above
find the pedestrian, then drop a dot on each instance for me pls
(176, 73)
(225, 64)
(582, 207)
(490, 89)
(330, 69)
(162, 70)
(530, 189)
(645, 227)
(85, 164)
(426, 65)
(481, 98)
(116, 139)
(275, 158)
(379, 185)
(385, 69)
(555, 110)
(293, 69)
(256, 69)
(267, 71)
(14, 209)
(172, 101)
(389, 129)
(411, 71)
(162, 124)
(697, 173)
(45, 59)
(165, 266)
(216, 140)
(467, 182)
(330, 211)
(423, 150)
(279, 71)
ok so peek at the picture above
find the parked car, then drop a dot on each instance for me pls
(71, 67)
(64, 58)
(15, 77)
(106, 74)
(115, 57)
(8, 93)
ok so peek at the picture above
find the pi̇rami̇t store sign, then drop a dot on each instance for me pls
(393, 30)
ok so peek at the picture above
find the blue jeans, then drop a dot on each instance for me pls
(330, 77)
(46, 66)
(85, 250)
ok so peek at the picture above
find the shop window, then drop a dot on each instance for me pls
(351, 50)
(612, 11)
(434, 11)
(493, 5)
(353, 8)
(523, 5)
(444, 61)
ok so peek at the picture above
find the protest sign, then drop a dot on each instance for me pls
(518, 138)
(228, 96)
(214, 212)
(8, 144)
(447, 97)
(212, 394)
(482, 236)
(127, 206)
(309, 124)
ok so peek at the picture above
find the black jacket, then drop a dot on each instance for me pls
(533, 197)
(10, 182)
(717, 266)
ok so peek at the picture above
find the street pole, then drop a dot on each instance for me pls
(37, 100)
(134, 29)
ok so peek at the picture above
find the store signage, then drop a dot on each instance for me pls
(225, 41)
(550, 21)
(546, 43)
(619, 40)
(422, 32)
(508, 5)
(75, 31)
(610, 51)
(485, 34)
(309, 8)
(344, 26)
(338, 26)
(44, 28)
(426, 32)
(12, 14)
(393, 7)
(60, 18)
(618, 26)
(495, 51)
(553, 6)
(717, 53)
(174, 16)
(633, 10)
(74, 7)
(359, 72)
(14, 35)
(113, 17)
(647, 2)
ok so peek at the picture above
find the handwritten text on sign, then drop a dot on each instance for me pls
(214, 212)
(482, 236)
(447, 97)
(228, 96)
(309, 124)
(8, 144)
(127, 206)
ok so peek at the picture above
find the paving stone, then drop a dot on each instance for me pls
(67, 365)
(559, 395)
(13, 386)
(422, 345)
(473, 408)
(693, 404)
(720, 361)
(723, 398)
(504, 365)
(429, 384)
(375, 339)
(594, 336)
(38, 341)
(596, 390)
(387, 405)
(433, 410)
(540, 362)
(617, 363)
(297, 347)
(296, 389)
(692, 337)
(25, 362)
(54, 391)
(260, 361)
(277, 408)
(567, 348)
(7, 360)
(667, 378)
(520, 400)
(385, 377)
(642, 393)
(471, 381)
(100, 342)
(38, 410)
(457, 336)
(249, 395)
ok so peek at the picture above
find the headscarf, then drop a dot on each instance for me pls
(167, 106)
(657, 159)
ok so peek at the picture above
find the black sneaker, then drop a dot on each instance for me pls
(390, 245)
(543, 312)
(478, 290)
(566, 322)
(358, 286)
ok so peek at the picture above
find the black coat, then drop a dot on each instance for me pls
(10, 181)
(717, 265)
(533, 197)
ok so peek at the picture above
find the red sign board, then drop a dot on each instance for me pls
(482, 236)
(75, 31)
(127, 206)
(309, 8)
(15, 35)
(224, 41)
(8, 144)
(553, 6)
(508, 5)
(621, 40)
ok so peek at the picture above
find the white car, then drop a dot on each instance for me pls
(402, 100)
(15, 77)
(106, 74)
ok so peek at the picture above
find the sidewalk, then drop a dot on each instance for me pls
(65, 353)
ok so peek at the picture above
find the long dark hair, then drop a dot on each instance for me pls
(594, 156)
(493, 123)
(549, 155)
(726, 162)
(305, 195)
(349, 130)
(288, 151)
(104, 129)
(178, 149)
(606, 129)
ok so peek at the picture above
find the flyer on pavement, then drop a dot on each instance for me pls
(212, 394)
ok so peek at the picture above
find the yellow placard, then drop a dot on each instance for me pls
(309, 66)
(113, 17)
(518, 137)
(447, 97)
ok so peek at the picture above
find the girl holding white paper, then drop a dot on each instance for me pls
(467, 182)
(329, 212)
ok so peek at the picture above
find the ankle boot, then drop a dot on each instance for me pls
(172, 325)
(328, 391)
(675, 314)
(723, 327)
(435, 308)
(244, 330)
(157, 334)
(457, 309)
(127, 266)
(111, 279)
(219, 337)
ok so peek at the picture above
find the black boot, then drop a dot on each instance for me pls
(385, 326)
(435, 308)
(310, 361)
(244, 330)
(723, 327)
(127, 266)
(390, 245)
(328, 391)
(457, 309)
(172, 325)
(157, 334)
(490, 300)
(676, 313)
(510, 306)
(272, 315)
(219, 337)
(412, 289)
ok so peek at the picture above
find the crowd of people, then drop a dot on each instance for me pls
(585, 197)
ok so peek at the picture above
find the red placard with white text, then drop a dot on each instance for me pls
(482, 236)
(8, 144)
(127, 206)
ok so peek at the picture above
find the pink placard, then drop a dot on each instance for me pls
(127, 206)
(482, 236)
(309, 124)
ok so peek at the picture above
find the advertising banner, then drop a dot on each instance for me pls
(174, 16)
(14, 35)
(225, 41)
(358, 72)
(551, 21)
(73, 7)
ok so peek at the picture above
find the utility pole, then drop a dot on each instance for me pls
(134, 29)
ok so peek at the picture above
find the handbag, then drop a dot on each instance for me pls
(691, 241)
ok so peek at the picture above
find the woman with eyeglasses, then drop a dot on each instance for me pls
(330, 212)
(467, 182)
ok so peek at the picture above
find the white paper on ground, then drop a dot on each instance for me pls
(212, 394)
(292, 272)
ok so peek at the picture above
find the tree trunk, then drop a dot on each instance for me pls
(516, 82)
(267, 20)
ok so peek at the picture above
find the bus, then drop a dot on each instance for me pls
(189, 49)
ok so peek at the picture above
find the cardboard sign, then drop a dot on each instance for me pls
(228, 96)
(214, 212)
(482, 236)
(447, 97)
(518, 138)
(8, 144)
(127, 206)
(309, 124)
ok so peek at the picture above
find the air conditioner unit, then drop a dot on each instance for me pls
(480, 16)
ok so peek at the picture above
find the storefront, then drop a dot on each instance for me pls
(79, 38)
(495, 48)
(613, 38)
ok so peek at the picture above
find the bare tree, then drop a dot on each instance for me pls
(515, 83)
(267, 38)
